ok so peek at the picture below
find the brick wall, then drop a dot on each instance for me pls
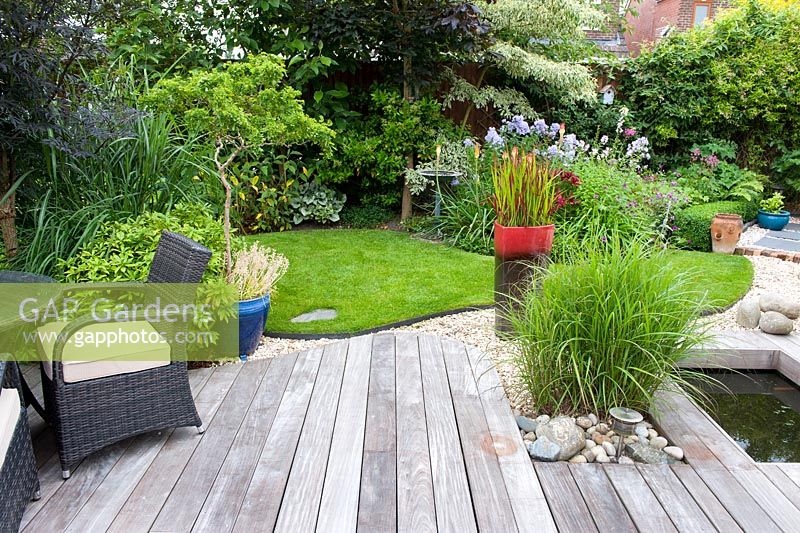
(655, 15)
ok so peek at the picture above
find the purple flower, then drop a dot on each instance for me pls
(603, 239)
(540, 127)
(596, 196)
(555, 127)
(712, 161)
(673, 183)
(454, 182)
(604, 139)
(629, 132)
(468, 142)
(518, 125)
(492, 137)
(674, 228)
(552, 151)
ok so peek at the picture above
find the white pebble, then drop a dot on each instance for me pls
(579, 459)
(674, 451)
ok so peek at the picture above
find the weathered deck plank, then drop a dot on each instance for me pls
(415, 502)
(676, 500)
(186, 499)
(262, 499)
(454, 509)
(144, 504)
(301, 498)
(604, 503)
(338, 510)
(567, 505)
(639, 500)
(377, 505)
(705, 498)
(493, 508)
(229, 488)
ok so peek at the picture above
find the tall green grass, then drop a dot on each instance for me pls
(150, 169)
(609, 329)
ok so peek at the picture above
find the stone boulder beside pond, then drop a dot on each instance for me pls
(771, 313)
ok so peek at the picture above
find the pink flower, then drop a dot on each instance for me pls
(629, 132)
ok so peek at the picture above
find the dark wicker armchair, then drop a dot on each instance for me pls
(18, 481)
(99, 409)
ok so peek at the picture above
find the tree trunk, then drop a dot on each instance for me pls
(8, 208)
(405, 208)
(227, 224)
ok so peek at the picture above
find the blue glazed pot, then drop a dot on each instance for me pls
(773, 221)
(252, 320)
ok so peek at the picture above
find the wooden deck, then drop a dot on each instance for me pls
(391, 432)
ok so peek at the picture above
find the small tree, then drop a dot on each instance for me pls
(241, 106)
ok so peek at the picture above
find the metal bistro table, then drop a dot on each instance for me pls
(13, 276)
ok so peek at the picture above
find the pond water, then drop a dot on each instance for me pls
(762, 415)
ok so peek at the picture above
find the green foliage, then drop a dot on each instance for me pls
(365, 216)
(610, 329)
(240, 101)
(123, 251)
(467, 219)
(316, 202)
(610, 201)
(369, 158)
(694, 223)
(773, 204)
(734, 79)
(787, 168)
(710, 177)
(150, 169)
(260, 197)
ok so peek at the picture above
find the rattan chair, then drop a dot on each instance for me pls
(18, 480)
(91, 414)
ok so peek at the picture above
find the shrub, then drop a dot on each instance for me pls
(467, 219)
(732, 79)
(123, 251)
(365, 216)
(609, 329)
(694, 223)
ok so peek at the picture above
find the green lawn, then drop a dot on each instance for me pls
(371, 278)
(375, 277)
(724, 278)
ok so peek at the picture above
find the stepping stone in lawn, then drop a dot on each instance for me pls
(779, 244)
(791, 235)
(315, 315)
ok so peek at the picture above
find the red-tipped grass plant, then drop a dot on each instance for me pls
(527, 190)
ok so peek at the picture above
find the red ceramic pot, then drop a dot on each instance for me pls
(522, 242)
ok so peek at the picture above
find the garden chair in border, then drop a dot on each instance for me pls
(18, 480)
(91, 414)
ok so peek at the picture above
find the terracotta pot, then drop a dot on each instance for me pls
(522, 242)
(517, 251)
(725, 232)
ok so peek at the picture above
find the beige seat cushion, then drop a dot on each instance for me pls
(9, 414)
(137, 346)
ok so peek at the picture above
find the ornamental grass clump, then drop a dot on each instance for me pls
(527, 192)
(609, 329)
(256, 271)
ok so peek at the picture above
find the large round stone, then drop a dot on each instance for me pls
(786, 307)
(774, 323)
(563, 432)
(748, 313)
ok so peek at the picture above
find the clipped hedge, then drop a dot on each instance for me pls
(694, 222)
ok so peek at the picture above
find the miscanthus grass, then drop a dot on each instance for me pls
(609, 329)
